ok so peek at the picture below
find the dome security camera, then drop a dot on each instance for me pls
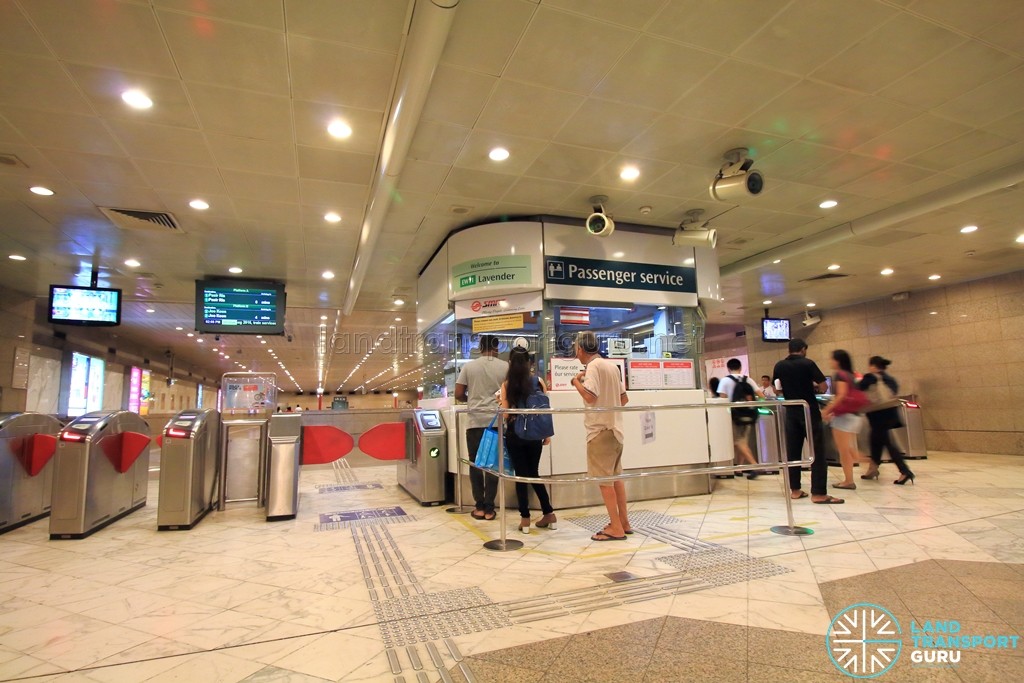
(736, 182)
(599, 224)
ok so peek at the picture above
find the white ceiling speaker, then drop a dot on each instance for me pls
(736, 182)
(694, 232)
(600, 224)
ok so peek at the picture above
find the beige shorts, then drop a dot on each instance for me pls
(604, 455)
(741, 433)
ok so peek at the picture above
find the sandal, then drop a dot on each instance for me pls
(803, 494)
(478, 514)
(490, 515)
(602, 536)
(829, 500)
(846, 487)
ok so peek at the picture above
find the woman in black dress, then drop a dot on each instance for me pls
(883, 421)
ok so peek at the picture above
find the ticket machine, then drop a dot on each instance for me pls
(422, 472)
(101, 472)
(27, 444)
(188, 469)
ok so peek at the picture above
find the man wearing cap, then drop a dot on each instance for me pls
(600, 386)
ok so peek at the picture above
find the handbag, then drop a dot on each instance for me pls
(535, 427)
(490, 446)
(881, 396)
(855, 400)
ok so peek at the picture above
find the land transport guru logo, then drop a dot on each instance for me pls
(865, 641)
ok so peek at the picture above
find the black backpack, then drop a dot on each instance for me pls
(741, 392)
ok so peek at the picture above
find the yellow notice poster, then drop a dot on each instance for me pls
(513, 321)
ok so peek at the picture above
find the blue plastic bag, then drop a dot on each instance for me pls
(487, 452)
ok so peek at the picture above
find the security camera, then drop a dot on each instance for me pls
(289, 339)
(810, 320)
(694, 231)
(216, 337)
(599, 223)
(736, 182)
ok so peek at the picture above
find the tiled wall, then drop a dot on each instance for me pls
(959, 348)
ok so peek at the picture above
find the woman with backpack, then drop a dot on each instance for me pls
(843, 411)
(883, 417)
(524, 453)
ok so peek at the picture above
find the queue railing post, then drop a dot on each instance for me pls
(502, 544)
(780, 424)
(458, 508)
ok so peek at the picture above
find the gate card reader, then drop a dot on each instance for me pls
(422, 473)
(188, 468)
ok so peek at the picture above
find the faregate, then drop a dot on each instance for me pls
(101, 472)
(188, 469)
(27, 444)
(422, 472)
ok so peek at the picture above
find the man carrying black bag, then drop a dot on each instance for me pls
(739, 388)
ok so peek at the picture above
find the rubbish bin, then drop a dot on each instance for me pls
(285, 438)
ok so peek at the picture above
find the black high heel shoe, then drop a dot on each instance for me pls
(909, 476)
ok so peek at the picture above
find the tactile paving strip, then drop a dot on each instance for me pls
(720, 566)
(377, 521)
(343, 472)
(430, 603)
(638, 518)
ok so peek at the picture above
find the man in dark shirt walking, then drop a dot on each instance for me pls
(801, 378)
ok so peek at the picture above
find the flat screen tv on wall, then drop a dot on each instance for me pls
(237, 306)
(86, 306)
(775, 329)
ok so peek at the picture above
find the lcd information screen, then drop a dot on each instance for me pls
(240, 307)
(775, 329)
(93, 306)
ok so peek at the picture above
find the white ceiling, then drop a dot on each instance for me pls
(868, 102)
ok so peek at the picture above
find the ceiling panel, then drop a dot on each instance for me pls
(717, 26)
(340, 74)
(378, 25)
(242, 113)
(264, 13)
(527, 110)
(39, 83)
(63, 131)
(484, 33)
(164, 143)
(342, 167)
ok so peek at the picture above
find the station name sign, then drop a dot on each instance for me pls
(584, 272)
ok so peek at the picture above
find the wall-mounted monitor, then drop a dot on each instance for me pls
(91, 306)
(775, 329)
(236, 306)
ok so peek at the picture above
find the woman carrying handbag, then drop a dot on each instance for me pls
(883, 417)
(524, 449)
(844, 415)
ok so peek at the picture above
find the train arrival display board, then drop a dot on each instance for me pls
(240, 307)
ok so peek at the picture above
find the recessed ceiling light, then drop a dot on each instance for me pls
(619, 254)
(629, 173)
(327, 275)
(179, 329)
(200, 340)
(935, 277)
(199, 205)
(339, 129)
(332, 217)
(887, 271)
(968, 228)
(399, 302)
(688, 262)
(811, 305)
(136, 99)
(150, 310)
(40, 190)
(767, 302)
(16, 257)
(933, 312)
(777, 261)
(615, 321)
(1020, 239)
(226, 357)
(498, 154)
(323, 317)
(264, 341)
(190, 334)
(398, 320)
(234, 270)
(829, 204)
(834, 266)
(132, 263)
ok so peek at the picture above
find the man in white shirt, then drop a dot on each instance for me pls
(478, 384)
(600, 386)
(766, 387)
(740, 427)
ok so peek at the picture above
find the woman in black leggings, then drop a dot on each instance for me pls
(525, 455)
(883, 421)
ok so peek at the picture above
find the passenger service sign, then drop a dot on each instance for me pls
(569, 277)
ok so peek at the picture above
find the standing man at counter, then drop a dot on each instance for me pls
(478, 385)
(600, 386)
(801, 378)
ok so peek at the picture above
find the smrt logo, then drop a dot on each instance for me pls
(476, 306)
(864, 640)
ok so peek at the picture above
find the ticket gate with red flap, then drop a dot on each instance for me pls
(101, 472)
(188, 469)
(27, 445)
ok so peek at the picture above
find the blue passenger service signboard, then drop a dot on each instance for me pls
(585, 272)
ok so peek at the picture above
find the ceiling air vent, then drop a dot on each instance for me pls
(12, 160)
(135, 219)
(824, 276)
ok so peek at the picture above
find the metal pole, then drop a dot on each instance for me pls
(459, 508)
(792, 529)
(502, 544)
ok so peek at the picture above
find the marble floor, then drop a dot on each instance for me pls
(366, 585)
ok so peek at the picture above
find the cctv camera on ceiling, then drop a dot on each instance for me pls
(736, 182)
(600, 224)
(694, 231)
(810, 319)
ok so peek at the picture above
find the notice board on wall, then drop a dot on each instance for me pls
(658, 373)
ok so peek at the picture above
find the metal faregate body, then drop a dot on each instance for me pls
(248, 401)
(422, 472)
(27, 444)
(101, 472)
(188, 468)
(283, 467)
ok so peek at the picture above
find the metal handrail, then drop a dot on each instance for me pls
(774, 406)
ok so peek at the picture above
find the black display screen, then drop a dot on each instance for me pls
(87, 306)
(240, 307)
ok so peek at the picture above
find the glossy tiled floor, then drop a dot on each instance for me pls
(319, 598)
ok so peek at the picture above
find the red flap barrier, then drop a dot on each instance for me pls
(385, 441)
(160, 440)
(124, 449)
(36, 451)
(322, 444)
